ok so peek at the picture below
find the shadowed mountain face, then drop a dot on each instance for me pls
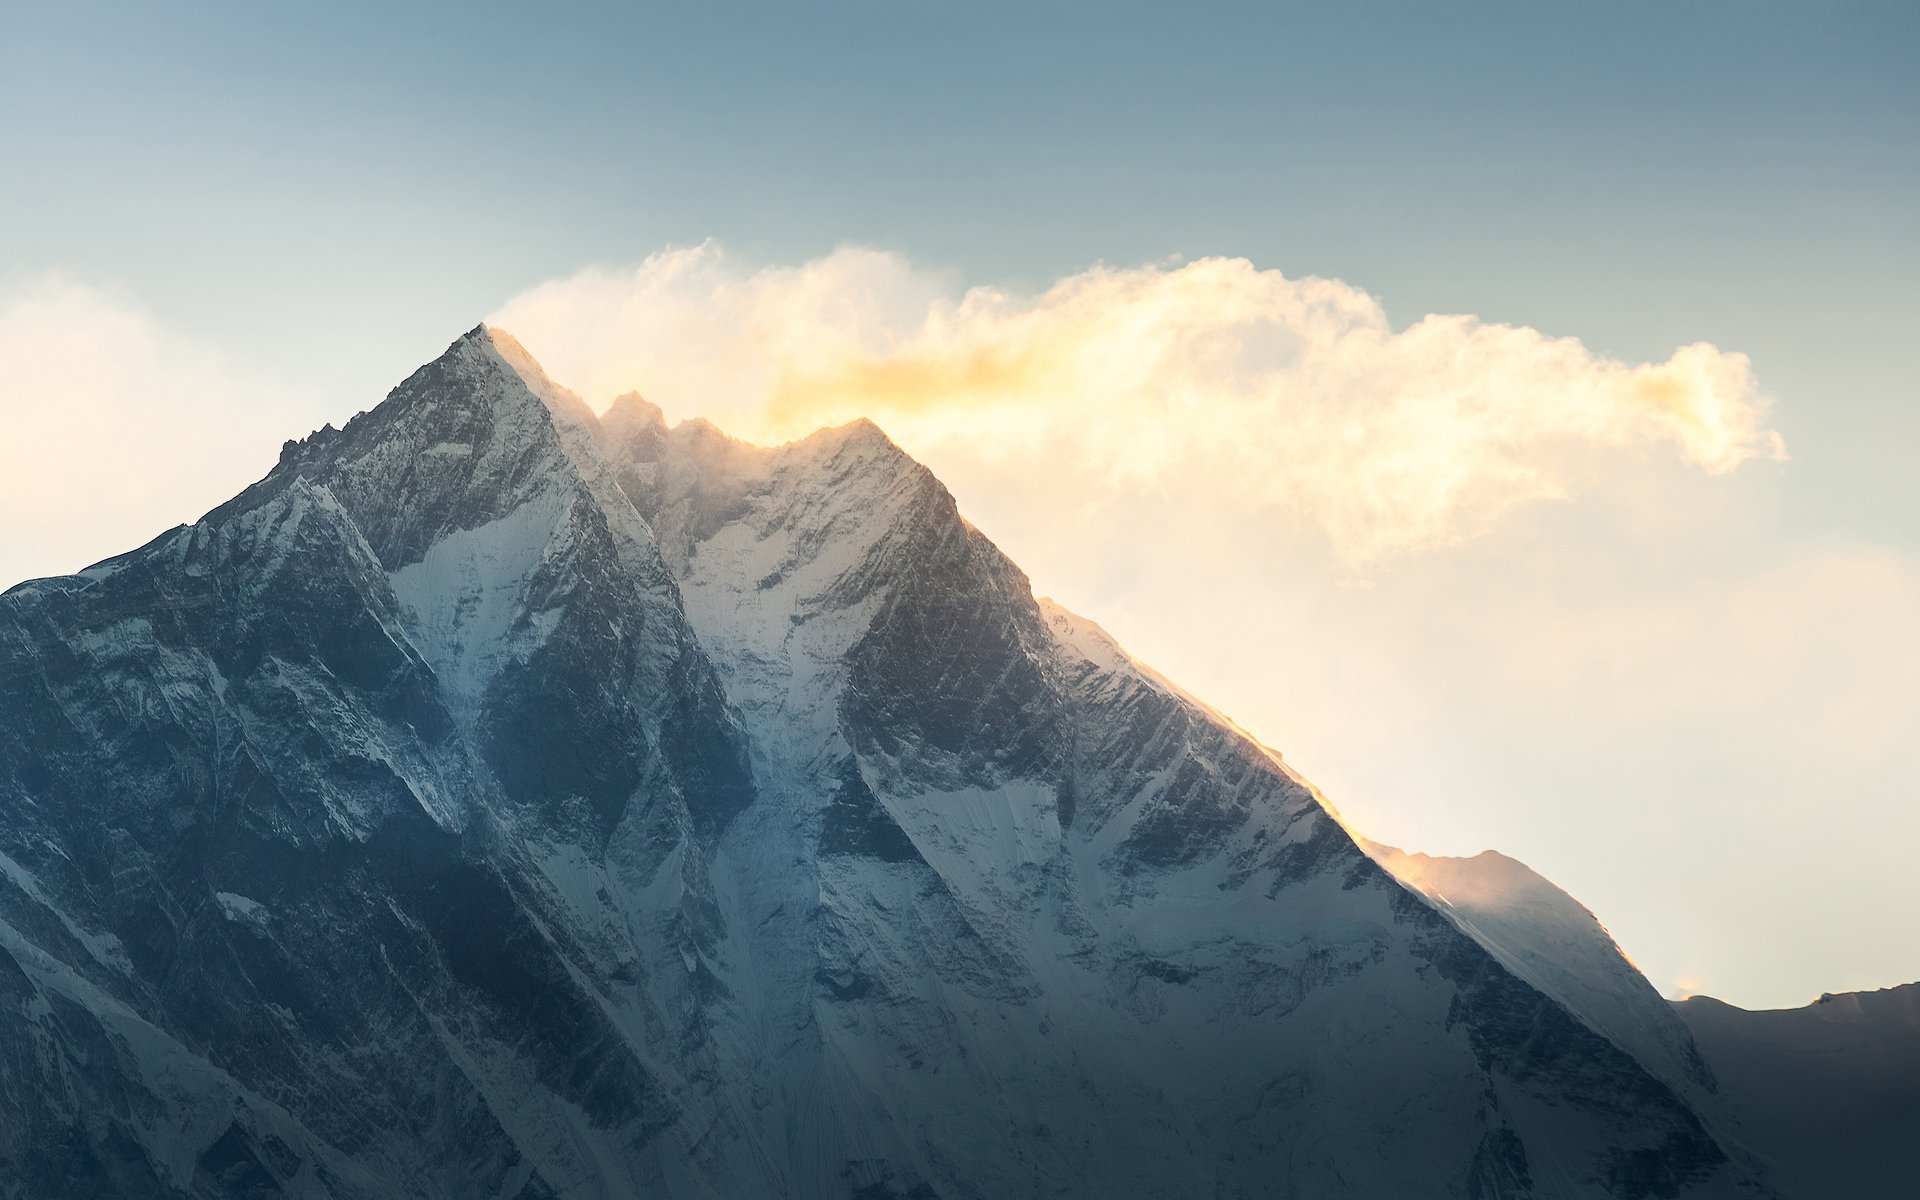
(497, 800)
(1830, 1093)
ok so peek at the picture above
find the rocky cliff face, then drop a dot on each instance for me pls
(497, 800)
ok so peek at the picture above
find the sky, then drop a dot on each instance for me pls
(1502, 409)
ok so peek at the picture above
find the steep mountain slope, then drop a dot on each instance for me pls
(1552, 941)
(1822, 1100)
(274, 780)
(497, 800)
(1829, 1092)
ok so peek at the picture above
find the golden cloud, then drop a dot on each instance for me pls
(1211, 377)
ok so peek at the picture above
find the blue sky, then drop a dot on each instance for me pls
(321, 196)
(1638, 174)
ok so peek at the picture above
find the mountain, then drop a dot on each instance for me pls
(1546, 937)
(1822, 1100)
(503, 800)
(1830, 1092)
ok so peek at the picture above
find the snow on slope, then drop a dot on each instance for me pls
(1081, 901)
(1553, 942)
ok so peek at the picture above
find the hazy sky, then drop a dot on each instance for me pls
(1643, 611)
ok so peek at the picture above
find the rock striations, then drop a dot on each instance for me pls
(498, 800)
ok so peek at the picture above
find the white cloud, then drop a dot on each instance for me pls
(1293, 395)
(116, 427)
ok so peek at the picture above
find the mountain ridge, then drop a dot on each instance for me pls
(495, 799)
(1830, 1091)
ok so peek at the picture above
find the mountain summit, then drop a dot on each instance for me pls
(500, 801)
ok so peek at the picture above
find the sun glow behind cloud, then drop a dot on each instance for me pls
(1292, 395)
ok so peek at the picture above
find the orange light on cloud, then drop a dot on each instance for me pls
(1294, 394)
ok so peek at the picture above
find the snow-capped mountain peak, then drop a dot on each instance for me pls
(499, 800)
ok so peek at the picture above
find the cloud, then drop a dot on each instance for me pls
(117, 426)
(1294, 396)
